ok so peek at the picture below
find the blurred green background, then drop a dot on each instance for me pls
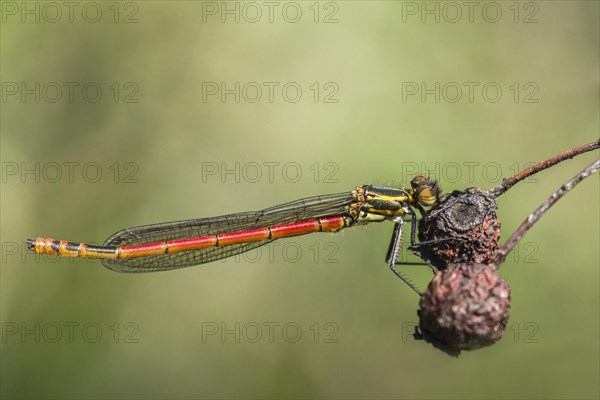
(72, 329)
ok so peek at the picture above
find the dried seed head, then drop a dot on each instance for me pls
(465, 307)
(466, 226)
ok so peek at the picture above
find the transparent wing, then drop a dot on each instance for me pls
(299, 210)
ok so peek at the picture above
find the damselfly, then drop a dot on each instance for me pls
(179, 244)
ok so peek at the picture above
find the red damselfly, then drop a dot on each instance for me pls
(180, 244)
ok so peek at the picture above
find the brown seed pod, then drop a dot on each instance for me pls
(465, 307)
(464, 228)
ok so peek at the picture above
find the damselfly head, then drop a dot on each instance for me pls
(426, 191)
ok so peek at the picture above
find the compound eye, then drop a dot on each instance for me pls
(427, 197)
(418, 181)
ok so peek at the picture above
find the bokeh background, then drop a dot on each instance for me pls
(153, 145)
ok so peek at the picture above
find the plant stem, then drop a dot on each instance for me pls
(513, 180)
(537, 214)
